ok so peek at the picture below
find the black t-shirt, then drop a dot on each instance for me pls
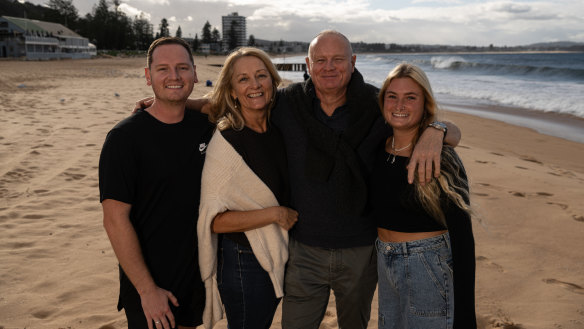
(156, 167)
(265, 155)
(393, 202)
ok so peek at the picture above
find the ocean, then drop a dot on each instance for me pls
(525, 83)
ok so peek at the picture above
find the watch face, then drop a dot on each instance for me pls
(438, 125)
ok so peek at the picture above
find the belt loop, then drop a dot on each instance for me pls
(404, 246)
(446, 238)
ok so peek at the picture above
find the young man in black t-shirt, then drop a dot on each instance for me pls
(149, 180)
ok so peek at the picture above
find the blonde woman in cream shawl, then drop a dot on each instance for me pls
(244, 222)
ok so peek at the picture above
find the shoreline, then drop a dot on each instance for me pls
(561, 125)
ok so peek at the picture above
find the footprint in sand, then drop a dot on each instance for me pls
(519, 167)
(480, 161)
(500, 322)
(480, 194)
(489, 263)
(517, 194)
(71, 176)
(544, 194)
(561, 205)
(107, 326)
(530, 159)
(566, 285)
(42, 145)
(43, 314)
(578, 218)
(498, 154)
(19, 245)
(34, 216)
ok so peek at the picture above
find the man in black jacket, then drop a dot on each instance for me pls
(331, 124)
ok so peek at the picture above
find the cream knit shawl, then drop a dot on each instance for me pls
(229, 184)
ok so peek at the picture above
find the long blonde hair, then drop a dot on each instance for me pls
(224, 110)
(452, 181)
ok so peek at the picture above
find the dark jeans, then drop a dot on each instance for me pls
(245, 287)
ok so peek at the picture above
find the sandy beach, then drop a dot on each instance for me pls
(57, 268)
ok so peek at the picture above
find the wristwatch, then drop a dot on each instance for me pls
(439, 125)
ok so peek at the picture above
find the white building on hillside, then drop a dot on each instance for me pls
(32, 39)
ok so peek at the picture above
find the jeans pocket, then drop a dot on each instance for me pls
(428, 285)
(446, 260)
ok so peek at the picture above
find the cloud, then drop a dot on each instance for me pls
(509, 7)
(442, 2)
(463, 22)
(133, 12)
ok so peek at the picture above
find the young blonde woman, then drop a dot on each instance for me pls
(425, 245)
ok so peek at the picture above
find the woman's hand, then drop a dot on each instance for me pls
(286, 217)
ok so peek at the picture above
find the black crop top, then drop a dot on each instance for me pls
(395, 207)
(393, 203)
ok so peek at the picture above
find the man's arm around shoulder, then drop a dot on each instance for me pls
(425, 158)
(124, 240)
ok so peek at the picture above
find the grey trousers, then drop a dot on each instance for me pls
(312, 272)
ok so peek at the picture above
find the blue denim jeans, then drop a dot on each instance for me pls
(245, 287)
(415, 284)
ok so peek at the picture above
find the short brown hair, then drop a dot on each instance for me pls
(167, 41)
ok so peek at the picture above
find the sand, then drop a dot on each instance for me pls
(57, 268)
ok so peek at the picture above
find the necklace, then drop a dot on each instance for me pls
(396, 151)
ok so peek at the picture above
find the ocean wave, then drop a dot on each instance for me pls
(559, 97)
(456, 63)
(449, 62)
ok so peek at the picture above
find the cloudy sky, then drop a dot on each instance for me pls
(455, 22)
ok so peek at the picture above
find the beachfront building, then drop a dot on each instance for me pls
(233, 26)
(33, 40)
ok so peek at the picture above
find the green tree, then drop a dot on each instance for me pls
(178, 32)
(206, 33)
(98, 24)
(196, 43)
(215, 35)
(108, 27)
(251, 41)
(65, 12)
(121, 31)
(163, 28)
(142, 32)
